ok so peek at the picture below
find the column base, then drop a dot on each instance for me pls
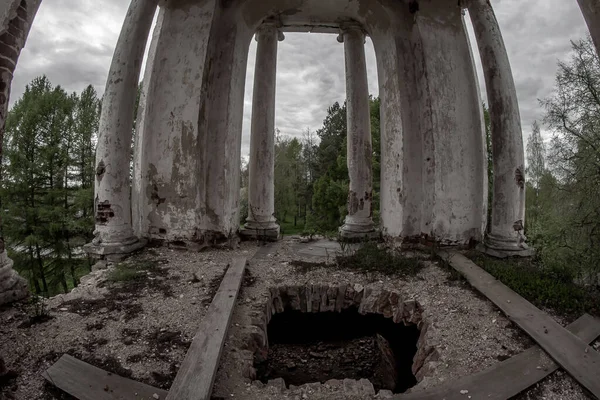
(13, 287)
(355, 233)
(114, 251)
(270, 233)
(500, 247)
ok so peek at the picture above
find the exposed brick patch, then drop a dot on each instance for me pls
(104, 212)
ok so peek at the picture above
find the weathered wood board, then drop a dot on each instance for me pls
(86, 382)
(510, 377)
(573, 354)
(195, 379)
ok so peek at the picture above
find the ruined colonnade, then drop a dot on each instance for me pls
(188, 135)
(186, 158)
(261, 200)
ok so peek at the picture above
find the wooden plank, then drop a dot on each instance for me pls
(195, 379)
(86, 382)
(510, 377)
(571, 353)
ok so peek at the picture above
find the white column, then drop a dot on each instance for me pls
(114, 233)
(505, 237)
(261, 190)
(591, 13)
(359, 221)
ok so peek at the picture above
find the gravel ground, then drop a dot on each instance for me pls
(143, 331)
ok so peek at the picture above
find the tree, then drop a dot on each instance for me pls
(87, 118)
(329, 202)
(33, 165)
(48, 182)
(536, 156)
(536, 170)
(572, 232)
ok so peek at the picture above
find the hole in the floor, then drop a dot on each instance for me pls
(316, 347)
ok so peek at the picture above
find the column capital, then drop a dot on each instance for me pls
(348, 27)
(269, 26)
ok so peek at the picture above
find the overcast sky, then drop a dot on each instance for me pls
(72, 43)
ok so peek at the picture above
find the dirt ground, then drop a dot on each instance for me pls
(142, 328)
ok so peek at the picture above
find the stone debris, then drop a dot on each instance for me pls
(13, 287)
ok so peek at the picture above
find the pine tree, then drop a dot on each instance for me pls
(47, 187)
(536, 170)
(536, 156)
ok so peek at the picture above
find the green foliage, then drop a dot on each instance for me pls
(47, 186)
(548, 286)
(291, 227)
(37, 309)
(132, 271)
(370, 257)
(563, 194)
(329, 202)
(311, 175)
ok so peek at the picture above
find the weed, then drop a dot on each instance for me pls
(453, 275)
(37, 312)
(131, 271)
(371, 258)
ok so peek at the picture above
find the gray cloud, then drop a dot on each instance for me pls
(72, 43)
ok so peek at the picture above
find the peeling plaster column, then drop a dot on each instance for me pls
(359, 221)
(591, 13)
(505, 237)
(114, 234)
(261, 189)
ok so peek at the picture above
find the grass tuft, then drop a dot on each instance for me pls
(132, 271)
(543, 286)
(372, 258)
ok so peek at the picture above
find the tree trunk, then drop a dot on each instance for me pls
(63, 282)
(34, 275)
(40, 262)
(73, 277)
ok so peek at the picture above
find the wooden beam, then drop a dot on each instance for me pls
(574, 355)
(86, 382)
(195, 379)
(510, 377)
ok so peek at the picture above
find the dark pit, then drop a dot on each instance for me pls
(316, 347)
